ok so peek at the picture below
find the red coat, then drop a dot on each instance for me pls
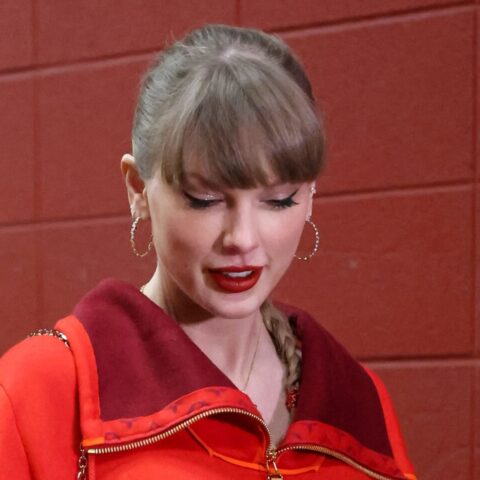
(145, 402)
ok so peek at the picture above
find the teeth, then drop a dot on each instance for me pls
(237, 274)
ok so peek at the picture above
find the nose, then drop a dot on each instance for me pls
(240, 232)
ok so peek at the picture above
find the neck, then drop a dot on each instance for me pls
(231, 344)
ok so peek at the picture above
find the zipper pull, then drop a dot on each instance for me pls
(272, 469)
(82, 464)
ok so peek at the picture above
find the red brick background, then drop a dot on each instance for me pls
(397, 207)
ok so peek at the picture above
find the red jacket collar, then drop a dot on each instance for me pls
(149, 375)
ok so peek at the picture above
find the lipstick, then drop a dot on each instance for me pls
(236, 279)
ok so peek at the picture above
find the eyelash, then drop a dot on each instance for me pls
(199, 203)
(280, 204)
(284, 202)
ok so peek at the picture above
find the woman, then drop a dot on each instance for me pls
(198, 374)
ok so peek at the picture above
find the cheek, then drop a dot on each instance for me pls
(177, 254)
(284, 236)
(185, 239)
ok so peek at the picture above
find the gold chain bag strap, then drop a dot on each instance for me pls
(51, 332)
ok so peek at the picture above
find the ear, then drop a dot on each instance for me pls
(312, 192)
(135, 187)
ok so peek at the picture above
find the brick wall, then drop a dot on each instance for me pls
(397, 206)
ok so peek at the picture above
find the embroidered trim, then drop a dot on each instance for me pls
(51, 332)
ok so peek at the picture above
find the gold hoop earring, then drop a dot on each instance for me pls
(315, 246)
(133, 229)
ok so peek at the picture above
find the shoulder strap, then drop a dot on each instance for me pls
(51, 332)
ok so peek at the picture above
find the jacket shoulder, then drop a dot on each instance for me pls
(43, 359)
(39, 391)
(393, 426)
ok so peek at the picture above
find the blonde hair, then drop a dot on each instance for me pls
(285, 341)
(239, 101)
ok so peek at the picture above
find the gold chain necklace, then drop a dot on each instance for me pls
(252, 363)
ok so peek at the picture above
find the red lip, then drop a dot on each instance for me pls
(236, 284)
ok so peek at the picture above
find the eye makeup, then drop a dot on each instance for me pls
(202, 194)
(200, 203)
(282, 203)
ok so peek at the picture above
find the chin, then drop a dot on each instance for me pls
(235, 308)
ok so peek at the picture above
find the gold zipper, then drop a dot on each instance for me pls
(272, 453)
(338, 456)
(124, 447)
(177, 428)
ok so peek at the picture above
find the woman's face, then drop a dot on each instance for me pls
(224, 249)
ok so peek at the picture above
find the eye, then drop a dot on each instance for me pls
(200, 203)
(282, 203)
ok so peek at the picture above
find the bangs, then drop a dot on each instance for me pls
(243, 123)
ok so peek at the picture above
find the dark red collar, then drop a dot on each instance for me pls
(145, 362)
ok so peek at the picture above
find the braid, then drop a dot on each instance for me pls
(278, 326)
